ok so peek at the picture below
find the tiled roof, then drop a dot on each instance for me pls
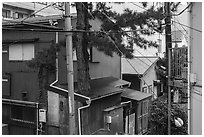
(141, 64)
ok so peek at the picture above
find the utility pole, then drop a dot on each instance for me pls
(168, 55)
(70, 73)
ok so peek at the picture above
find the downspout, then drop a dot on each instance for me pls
(57, 76)
(79, 114)
(37, 107)
(57, 71)
(189, 70)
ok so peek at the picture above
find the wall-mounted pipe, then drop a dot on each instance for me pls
(79, 115)
(37, 107)
(189, 70)
(57, 77)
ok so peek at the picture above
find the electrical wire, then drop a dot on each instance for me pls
(38, 11)
(138, 6)
(123, 54)
(182, 27)
(188, 26)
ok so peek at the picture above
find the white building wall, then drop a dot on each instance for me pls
(149, 77)
(196, 68)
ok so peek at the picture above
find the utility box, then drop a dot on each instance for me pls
(113, 119)
(42, 115)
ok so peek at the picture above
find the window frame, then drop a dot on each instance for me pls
(144, 89)
(143, 108)
(7, 13)
(22, 57)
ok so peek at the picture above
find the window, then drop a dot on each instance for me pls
(6, 13)
(18, 15)
(139, 118)
(151, 90)
(23, 114)
(144, 89)
(145, 116)
(142, 117)
(21, 52)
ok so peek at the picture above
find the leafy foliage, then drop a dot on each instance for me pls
(159, 117)
(45, 58)
(115, 24)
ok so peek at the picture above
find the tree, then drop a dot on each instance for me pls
(112, 34)
(44, 63)
(159, 115)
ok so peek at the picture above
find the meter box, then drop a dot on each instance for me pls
(42, 115)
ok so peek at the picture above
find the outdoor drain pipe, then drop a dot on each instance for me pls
(52, 85)
(79, 113)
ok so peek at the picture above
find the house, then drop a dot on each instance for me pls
(140, 71)
(21, 83)
(91, 112)
(195, 72)
(136, 114)
(19, 10)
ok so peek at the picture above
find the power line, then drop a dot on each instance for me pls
(38, 11)
(122, 52)
(126, 34)
(138, 6)
(183, 27)
(187, 26)
(181, 32)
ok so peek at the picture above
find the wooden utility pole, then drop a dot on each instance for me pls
(70, 73)
(168, 55)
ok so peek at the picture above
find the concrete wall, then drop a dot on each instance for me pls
(196, 68)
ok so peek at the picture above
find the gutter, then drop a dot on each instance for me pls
(52, 85)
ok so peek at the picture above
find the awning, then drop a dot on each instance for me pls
(135, 95)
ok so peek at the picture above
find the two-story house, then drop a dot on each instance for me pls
(20, 83)
(19, 10)
(140, 71)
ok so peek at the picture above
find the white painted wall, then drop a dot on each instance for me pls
(148, 78)
(196, 68)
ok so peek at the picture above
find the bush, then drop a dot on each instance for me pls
(158, 119)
